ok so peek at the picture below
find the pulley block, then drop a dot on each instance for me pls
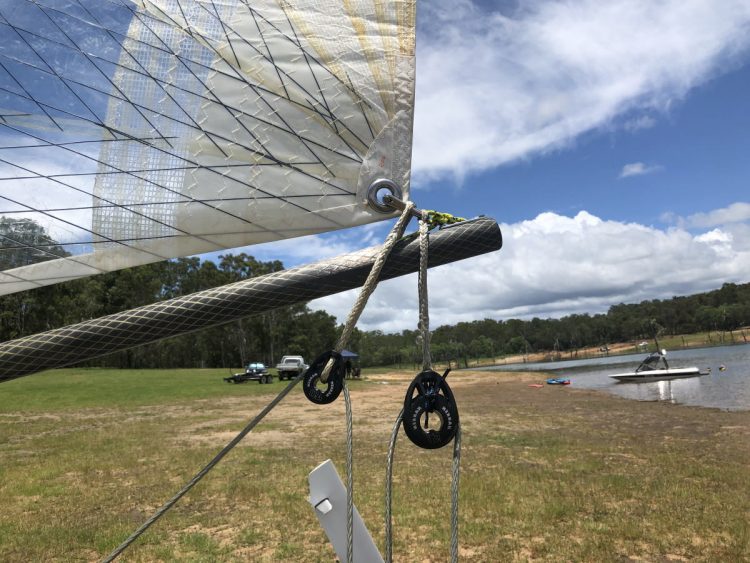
(430, 411)
(324, 393)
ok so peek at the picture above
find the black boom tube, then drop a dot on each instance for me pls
(105, 335)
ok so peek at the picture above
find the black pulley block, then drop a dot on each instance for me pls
(323, 393)
(429, 402)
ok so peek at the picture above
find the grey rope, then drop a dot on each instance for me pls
(389, 489)
(202, 473)
(455, 476)
(369, 286)
(349, 478)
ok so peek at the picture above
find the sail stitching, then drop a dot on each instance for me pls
(309, 56)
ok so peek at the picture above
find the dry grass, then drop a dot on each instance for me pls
(554, 474)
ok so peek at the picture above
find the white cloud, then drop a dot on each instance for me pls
(25, 188)
(555, 265)
(639, 123)
(638, 169)
(304, 250)
(735, 213)
(495, 87)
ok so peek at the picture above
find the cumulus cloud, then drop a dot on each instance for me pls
(52, 180)
(307, 249)
(554, 265)
(497, 86)
(638, 169)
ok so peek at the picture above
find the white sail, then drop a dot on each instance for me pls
(138, 131)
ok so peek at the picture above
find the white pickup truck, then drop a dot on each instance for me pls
(290, 367)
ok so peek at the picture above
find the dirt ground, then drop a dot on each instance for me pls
(627, 480)
(376, 406)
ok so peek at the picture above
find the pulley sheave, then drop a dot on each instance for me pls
(429, 394)
(324, 393)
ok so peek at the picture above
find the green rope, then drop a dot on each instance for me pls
(439, 219)
(434, 219)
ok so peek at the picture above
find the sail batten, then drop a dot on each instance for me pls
(139, 130)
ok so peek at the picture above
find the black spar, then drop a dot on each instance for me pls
(120, 331)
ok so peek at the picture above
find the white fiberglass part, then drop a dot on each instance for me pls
(138, 131)
(328, 499)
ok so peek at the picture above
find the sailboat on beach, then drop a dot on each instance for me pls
(135, 131)
(138, 131)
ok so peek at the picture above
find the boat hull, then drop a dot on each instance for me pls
(658, 375)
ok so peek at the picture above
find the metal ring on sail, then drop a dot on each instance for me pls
(133, 131)
(375, 198)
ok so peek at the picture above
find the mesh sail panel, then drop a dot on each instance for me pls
(138, 131)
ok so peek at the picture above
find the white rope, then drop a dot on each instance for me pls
(370, 284)
(424, 330)
(424, 313)
(359, 305)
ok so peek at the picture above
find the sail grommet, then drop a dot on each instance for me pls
(429, 394)
(324, 393)
(375, 195)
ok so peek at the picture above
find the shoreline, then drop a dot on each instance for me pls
(616, 350)
(541, 376)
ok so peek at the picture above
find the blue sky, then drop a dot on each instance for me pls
(610, 140)
(696, 157)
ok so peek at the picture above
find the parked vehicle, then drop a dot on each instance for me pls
(351, 364)
(290, 367)
(253, 372)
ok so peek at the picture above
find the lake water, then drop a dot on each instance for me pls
(728, 389)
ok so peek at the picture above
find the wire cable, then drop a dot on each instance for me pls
(202, 473)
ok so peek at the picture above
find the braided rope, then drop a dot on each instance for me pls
(349, 478)
(367, 289)
(359, 306)
(424, 312)
(424, 329)
(438, 219)
(370, 284)
(455, 477)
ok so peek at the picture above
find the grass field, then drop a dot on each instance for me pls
(551, 474)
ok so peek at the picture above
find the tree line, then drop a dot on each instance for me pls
(289, 330)
(723, 310)
(299, 330)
